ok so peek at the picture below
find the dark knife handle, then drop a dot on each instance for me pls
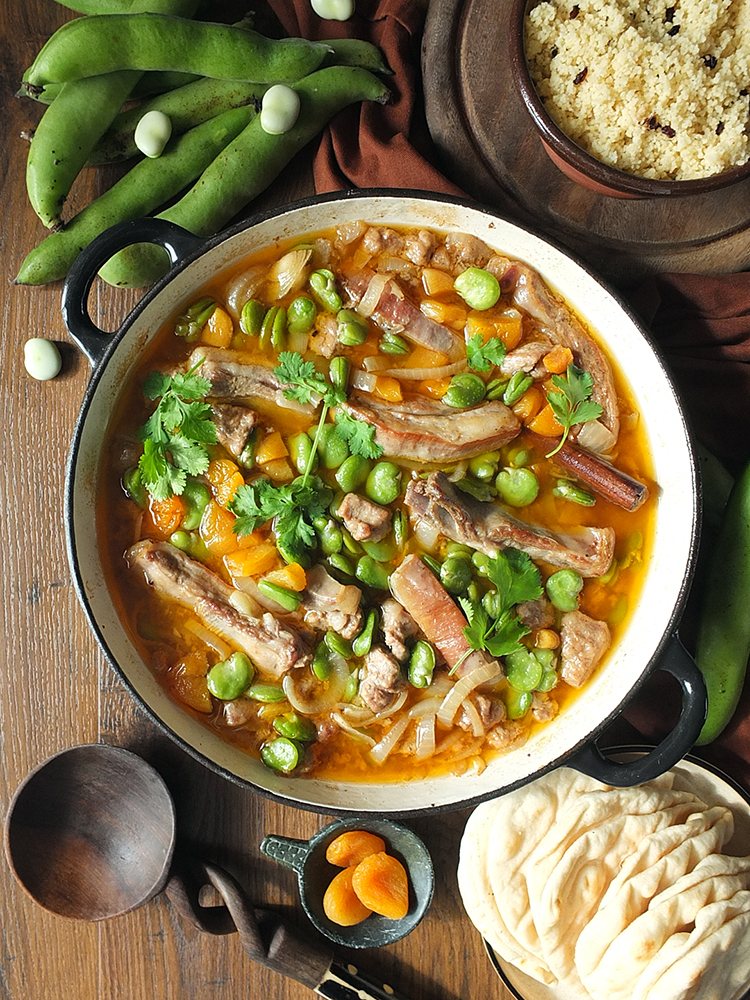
(348, 982)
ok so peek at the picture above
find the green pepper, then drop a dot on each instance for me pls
(723, 642)
(433, 564)
(231, 677)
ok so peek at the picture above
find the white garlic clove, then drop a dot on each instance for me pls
(333, 10)
(41, 358)
(279, 110)
(152, 133)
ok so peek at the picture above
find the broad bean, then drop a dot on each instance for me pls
(133, 486)
(351, 329)
(523, 670)
(281, 754)
(267, 693)
(338, 373)
(41, 358)
(301, 453)
(288, 599)
(478, 288)
(372, 573)
(563, 588)
(517, 385)
(383, 483)
(391, 343)
(455, 574)
(90, 46)
(383, 551)
(196, 496)
(321, 663)
(464, 390)
(484, 466)
(362, 644)
(323, 286)
(517, 487)
(330, 538)
(332, 448)
(353, 473)
(338, 645)
(300, 315)
(279, 109)
(517, 703)
(567, 490)
(251, 317)
(421, 664)
(245, 168)
(231, 677)
(152, 133)
(295, 727)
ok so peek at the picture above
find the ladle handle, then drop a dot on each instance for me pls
(286, 850)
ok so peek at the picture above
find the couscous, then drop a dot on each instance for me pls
(660, 89)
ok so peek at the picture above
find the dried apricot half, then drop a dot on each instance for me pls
(381, 883)
(353, 846)
(341, 904)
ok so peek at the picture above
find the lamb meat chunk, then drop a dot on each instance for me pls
(324, 338)
(438, 616)
(488, 527)
(426, 430)
(584, 642)
(382, 680)
(269, 644)
(327, 604)
(557, 321)
(395, 312)
(544, 708)
(420, 248)
(527, 358)
(397, 625)
(232, 378)
(490, 712)
(239, 712)
(537, 614)
(380, 239)
(233, 425)
(364, 520)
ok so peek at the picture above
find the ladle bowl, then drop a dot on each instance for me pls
(90, 832)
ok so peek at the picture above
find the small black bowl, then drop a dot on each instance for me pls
(575, 162)
(314, 873)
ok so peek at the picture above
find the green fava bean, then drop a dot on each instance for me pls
(338, 645)
(481, 562)
(231, 677)
(548, 681)
(300, 315)
(567, 490)
(332, 448)
(362, 644)
(517, 386)
(181, 540)
(273, 328)
(321, 664)
(421, 664)
(517, 487)
(517, 703)
(523, 670)
(323, 286)
(341, 564)
(330, 538)
(492, 604)
(383, 551)
(351, 328)
(353, 473)
(267, 693)
(352, 686)
(281, 754)
(383, 484)
(251, 317)
(400, 528)
(563, 588)
(338, 373)
(478, 288)
(484, 466)
(190, 323)
(133, 485)
(196, 496)
(372, 574)
(464, 390)
(288, 599)
(391, 343)
(295, 727)
(301, 453)
(455, 574)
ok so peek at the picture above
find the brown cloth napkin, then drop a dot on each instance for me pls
(701, 324)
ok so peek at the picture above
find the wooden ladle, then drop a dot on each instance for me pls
(90, 834)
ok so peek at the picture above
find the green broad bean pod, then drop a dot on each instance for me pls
(109, 43)
(186, 107)
(149, 184)
(723, 643)
(81, 113)
(246, 167)
(356, 52)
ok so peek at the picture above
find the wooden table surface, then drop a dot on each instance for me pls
(59, 691)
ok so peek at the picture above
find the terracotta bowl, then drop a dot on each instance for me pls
(579, 165)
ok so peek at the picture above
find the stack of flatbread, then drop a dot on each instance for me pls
(610, 893)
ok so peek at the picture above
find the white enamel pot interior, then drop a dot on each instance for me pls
(649, 642)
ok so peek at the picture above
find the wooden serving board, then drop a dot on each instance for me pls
(488, 146)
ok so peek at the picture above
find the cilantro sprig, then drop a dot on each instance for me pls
(517, 579)
(482, 355)
(572, 403)
(177, 432)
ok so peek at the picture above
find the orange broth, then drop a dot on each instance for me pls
(164, 632)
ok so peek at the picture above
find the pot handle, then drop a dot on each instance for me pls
(676, 661)
(92, 340)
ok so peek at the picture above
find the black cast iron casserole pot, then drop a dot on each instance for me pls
(650, 641)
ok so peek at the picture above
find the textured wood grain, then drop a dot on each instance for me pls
(489, 147)
(58, 691)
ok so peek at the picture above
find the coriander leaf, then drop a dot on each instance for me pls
(571, 404)
(482, 355)
(303, 380)
(160, 477)
(292, 507)
(507, 635)
(188, 455)
(358, 434)
(480, 623)
(247, 508)
(516, 577)
(156, 385)
(196, 423)
(191, 386)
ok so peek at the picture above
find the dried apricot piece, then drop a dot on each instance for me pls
(353, 846)
(381, 883)
(340, 902)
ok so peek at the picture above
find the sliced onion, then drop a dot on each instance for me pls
(484, 672)
(397, 265)
(395, 707)
(594, 436)
(364, 380)
(427, 706)
(288, 273)
(210, 638)
(459, 472)
(381, 750)
(358, 715)
(242, 288)
(244, 603)
(425, 737)
(370, 299)
(420, 374)
(477, 727)
(326, 693)
(343, 724)
(427, 534)
(377, 363)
